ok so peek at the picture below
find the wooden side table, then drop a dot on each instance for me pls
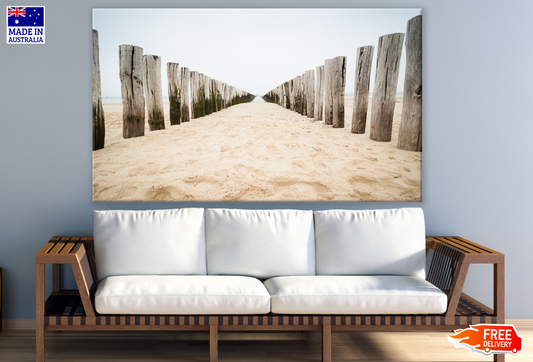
(449, 267)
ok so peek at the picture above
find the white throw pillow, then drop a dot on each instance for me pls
(260, 243)
(370, 242)
(149, 242)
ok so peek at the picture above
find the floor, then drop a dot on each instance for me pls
(19, 346)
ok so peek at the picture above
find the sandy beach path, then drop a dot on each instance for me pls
(253, 151)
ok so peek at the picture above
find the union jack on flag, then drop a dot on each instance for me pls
(16, 11)
(25, 16)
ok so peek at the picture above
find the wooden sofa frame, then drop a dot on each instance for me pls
(73, 310)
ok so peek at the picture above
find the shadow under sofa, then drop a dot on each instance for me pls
(263, 270)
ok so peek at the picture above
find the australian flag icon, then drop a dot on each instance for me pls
(25, 16)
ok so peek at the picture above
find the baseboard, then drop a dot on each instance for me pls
(18, 324)
(29, 324)
(520, 322)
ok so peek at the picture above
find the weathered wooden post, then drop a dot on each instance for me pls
(298, 94)
(131, 79)
(203, 94)
(286, 94)
(226, 95)
(328, 91)
(98, 111)
(194, 94)
(410, 134)
(319, 93)
(220, 93)
(222, 87)
(213, 96)
(384, 96)
(232, 100)
(303, 89)
(174, 92)
(207, 95)
(185, 84)
(153, 92)
(216, 94)
(291, 94)
(338, 87)
(310, 75)
(361, 88)
(200, 100)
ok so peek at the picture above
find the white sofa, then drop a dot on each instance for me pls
(262, 270)
(223, 261)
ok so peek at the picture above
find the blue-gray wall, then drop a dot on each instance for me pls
(478, 124)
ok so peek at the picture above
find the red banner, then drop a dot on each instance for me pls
(488, 339)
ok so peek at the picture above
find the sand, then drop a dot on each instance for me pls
(253, 151)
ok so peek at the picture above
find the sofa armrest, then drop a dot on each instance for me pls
(72, 250)
(452, 256)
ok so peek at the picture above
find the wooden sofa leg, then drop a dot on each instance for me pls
(499, 357)
(39, 316)
(326, 343)
(213, 343)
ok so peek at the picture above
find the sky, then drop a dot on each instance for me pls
(254, 50)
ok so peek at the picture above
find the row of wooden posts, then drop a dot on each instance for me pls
(140, 77)
(321, 97)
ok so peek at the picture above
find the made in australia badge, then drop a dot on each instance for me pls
(25, 25)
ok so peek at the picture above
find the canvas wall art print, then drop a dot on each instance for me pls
(257, 105)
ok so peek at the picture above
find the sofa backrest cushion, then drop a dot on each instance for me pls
(149, 242)
(260, 243)
(370, 242)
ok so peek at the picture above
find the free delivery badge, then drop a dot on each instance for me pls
(25, 25)
(488, 339)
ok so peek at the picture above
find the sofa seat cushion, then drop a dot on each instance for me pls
(368, 294)
(169, 294)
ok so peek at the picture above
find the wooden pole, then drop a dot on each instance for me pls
(201, 95)
(319, 94)
(185, 84)
(299, 95)
(286, 95)
(232, 100)
(384, 96)
(303, 90)
(131, 79)
(328, 92)
(153, 92)
(226, 96)
(338, 87)
(221, 95)
(310, 92)
(361, 88)
(207, 95)
(291, 94)
(98, 111)
(174, 92)
(410, 133)
(216, 93)
(194, 94)
(213, 95)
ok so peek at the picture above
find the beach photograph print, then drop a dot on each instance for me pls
(257, 104)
